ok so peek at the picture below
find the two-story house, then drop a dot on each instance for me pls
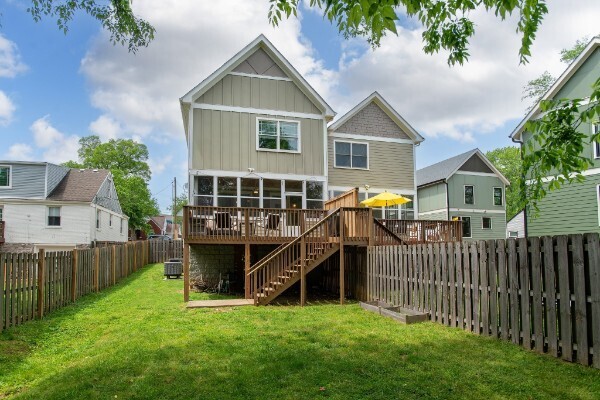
(261, 152)
(373, 148)
(47, 206)
(466, 187)
(574, 208)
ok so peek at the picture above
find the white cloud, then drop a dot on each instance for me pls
(157, 167)
(140, 92)
(19, 152)
(7, 109)
(106, 127)
(10, 59)
(58, 147)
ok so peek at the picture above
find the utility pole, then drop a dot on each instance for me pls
(174, 230)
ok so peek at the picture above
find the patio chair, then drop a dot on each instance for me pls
(225, 223)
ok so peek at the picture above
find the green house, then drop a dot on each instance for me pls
(465, 187)
(575, 208)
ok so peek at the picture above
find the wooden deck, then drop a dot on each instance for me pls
(219, 303)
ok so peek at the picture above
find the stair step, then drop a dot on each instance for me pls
(268, 289)
(291, 271)
(284, 277)
(275, 283)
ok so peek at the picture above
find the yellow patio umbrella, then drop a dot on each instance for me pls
(385, 199)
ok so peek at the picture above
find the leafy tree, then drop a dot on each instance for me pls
(127, 160)
(180, 202)
(508, 161)
(116, 16)
(536, 88)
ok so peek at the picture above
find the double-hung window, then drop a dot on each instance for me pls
(498, 198)
(53, 216)
(5, 176)
(466, 227)
(351, 155)
(469, 194)
(278, 135)
(486, 223)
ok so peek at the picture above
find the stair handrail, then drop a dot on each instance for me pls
(281, 249)
(380, 225)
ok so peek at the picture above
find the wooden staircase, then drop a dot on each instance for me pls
(291, 262)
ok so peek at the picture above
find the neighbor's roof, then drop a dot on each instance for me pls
(159, 220)
(558, 84)
(79, 185)
(387, 108)
(261, 42)
(443, 170)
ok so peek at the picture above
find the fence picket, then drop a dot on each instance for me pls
(580, 298)
(484, 285)
(593, 253)
(493, 278)
(515, 310)
(475, 287)
(566, 339)
(536, 286)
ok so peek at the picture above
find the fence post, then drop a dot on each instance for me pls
(302, 271)
(74, 257)
(113, 260)
(370, 227)
(134, 257)
(247, 270)
(41, 283)
(96, 267)
(186, 271)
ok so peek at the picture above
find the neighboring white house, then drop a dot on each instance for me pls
(515, 227)
(47, 206)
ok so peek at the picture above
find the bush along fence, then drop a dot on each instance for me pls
(540, 292)
(34, 284)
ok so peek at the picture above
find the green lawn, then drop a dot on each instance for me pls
(137, 341)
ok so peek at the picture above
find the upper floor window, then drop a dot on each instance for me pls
(53, 216)
(121, 227)
(5, 176)
(278, 135)
(469, 194)
(98, 219)
(110, 220)
(498, 198)
(486, 223)
(596, 130)
(351, 155)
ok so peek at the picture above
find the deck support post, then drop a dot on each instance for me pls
(186, 272)
(247, 270)
(302, 271)
(342, 266)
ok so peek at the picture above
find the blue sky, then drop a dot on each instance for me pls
(55, 88)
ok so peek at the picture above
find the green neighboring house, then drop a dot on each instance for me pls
(466, 187)
(574, 208)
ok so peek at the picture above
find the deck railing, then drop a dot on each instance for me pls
(423, 231)
(2, 231)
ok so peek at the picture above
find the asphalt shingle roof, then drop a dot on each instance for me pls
(79, 185)
(442, 169)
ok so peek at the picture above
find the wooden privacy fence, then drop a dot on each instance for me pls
(33, 284)
(538, 292)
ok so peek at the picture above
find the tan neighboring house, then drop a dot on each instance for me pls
(373, 148)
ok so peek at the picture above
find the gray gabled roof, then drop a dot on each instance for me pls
(80, 185)
(445, 169)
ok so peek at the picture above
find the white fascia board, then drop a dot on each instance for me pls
(263, 175)
(387, 108)
(477, 211)
(369, 138)
(249, 110)
(558, 84)
(486, 162)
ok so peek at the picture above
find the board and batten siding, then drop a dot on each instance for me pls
(498, 230)
(570, 209)
(483, 192)
(226, 141)
(432, 197)
(391, 165)
(27, 181)
(259, 93)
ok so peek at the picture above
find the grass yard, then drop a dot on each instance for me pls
(137, 341)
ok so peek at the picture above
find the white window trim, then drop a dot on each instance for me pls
(48, 216)
(598, 198)
(335, 142)
(486, 229)
(493, 197)
(511, 236)
(465, 195)
(10, 181)
(258, 119)
(470, 223)
(596, 129)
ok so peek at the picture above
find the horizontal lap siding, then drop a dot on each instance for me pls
(498, 230)
(571, 209)
(391, 165)
(225, 140)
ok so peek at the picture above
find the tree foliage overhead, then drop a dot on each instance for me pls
(448, 24)
(508, 161)
(116, 16)
(127, 160)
